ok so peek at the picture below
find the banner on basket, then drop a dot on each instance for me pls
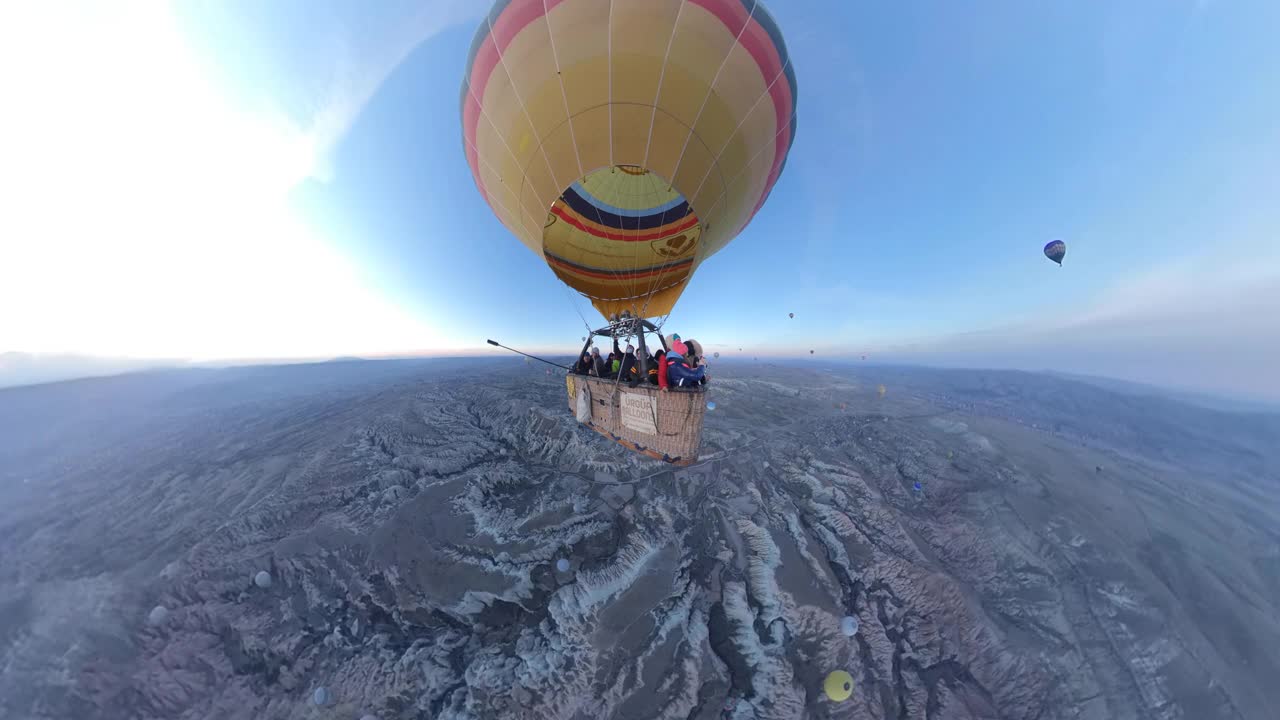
(639, 412)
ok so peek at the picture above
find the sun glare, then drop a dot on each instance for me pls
(149, 216)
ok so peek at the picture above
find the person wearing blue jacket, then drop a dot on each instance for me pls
(680, 374)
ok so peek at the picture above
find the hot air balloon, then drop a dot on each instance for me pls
(849, 625)
(321, 696)
(625, 143)
(838, 686)
(717, 356)
(158, 615)
(881, 390)
(791, 315)
(1055, 251)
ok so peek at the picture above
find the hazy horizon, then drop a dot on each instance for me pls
(23, 369)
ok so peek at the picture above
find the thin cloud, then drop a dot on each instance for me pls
(316, 88)
(366, 62)
(1204, 324)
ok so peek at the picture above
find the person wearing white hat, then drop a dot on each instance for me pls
(629, 368)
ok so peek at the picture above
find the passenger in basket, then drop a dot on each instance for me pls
(658, 369)
(679, 372)
(695, 356)
(629, 369)
(598, 368)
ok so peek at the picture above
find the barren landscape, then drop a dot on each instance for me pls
(1071, 552)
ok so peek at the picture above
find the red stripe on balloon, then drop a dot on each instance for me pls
(757, 42)
(515, 17)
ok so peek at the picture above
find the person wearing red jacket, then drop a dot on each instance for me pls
(658, 369)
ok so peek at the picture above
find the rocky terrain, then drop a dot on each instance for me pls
(1070, 552)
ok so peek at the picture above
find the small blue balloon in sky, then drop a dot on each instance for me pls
(562, 565)
(262, 579)
(917, 487)
(1055, 251)
(320, 696)
(711, 405)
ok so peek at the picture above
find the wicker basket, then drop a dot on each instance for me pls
(662, 425)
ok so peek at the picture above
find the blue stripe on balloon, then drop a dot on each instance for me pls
(585, 194)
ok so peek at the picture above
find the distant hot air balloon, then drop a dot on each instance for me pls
(791, 315)
(604, 139)
(717, 355)
(864, 357)
(1055, 251)
(810, 352)
(158, 615)
(849, 625)
(881, 390)
(838, 686)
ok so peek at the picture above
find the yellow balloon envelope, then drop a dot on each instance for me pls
(838, 686)
(627, 141)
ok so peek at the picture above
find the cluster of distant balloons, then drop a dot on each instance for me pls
(159, 614)
(838, 685)
(321, 696)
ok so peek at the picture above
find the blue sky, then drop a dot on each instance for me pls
(286, 179)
